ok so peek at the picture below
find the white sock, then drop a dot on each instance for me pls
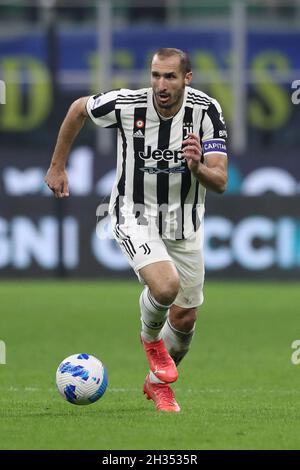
(177, 342)
(154, 379)
(153, 315)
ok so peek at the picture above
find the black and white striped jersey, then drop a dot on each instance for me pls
(152, 178)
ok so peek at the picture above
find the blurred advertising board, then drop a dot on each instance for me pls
(245, 237)
(39, 89)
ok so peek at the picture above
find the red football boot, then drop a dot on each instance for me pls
(160, 361)
(162, 395)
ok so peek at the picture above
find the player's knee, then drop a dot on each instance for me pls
(166, 291)
(184, 319)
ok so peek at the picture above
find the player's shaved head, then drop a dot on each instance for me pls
(166, 52)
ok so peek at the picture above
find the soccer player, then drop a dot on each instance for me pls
(171, 147)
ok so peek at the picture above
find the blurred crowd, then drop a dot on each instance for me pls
(141, 10)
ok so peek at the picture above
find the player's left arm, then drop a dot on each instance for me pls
(211, 171)
(207, 159)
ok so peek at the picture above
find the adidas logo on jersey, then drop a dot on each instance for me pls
(138, 134)
(167, 155)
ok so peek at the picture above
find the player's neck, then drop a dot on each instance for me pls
(167, 113)
(164, 118)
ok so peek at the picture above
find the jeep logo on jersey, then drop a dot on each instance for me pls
(167, 155)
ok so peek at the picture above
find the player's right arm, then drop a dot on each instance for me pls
(56, 177)
(101, 109)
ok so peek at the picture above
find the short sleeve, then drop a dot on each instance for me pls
(214, 133)
(101, 108)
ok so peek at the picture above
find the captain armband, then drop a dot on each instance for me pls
(214, 146)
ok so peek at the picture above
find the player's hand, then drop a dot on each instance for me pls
(57, 181)
(192, 151)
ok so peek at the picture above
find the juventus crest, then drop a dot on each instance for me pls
(187, 128)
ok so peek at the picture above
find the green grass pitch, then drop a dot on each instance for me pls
(238, 388)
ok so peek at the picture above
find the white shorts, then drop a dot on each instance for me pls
(142, 248)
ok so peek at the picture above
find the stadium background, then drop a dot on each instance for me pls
(244, 55)
(244, 389)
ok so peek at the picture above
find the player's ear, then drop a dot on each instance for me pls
(188, 78)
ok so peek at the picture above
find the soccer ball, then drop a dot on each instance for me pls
(81, 379)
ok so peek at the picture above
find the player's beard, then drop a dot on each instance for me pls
(174, 102)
